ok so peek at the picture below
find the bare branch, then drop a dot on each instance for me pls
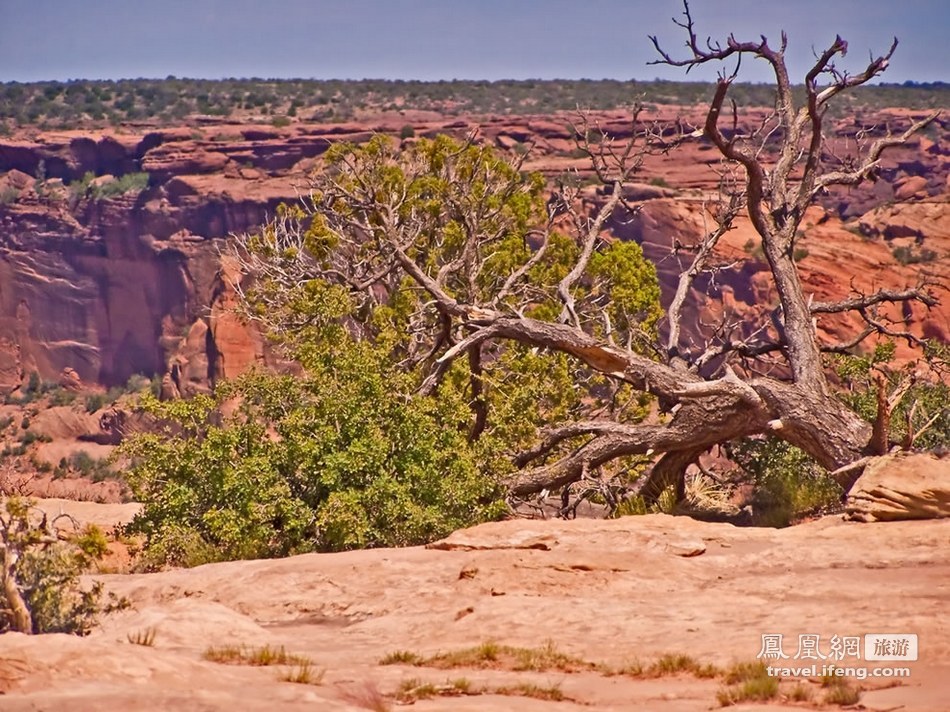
(863, 302)
(869, 164)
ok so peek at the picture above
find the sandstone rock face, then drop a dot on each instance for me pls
(131, 284)
(902, 486)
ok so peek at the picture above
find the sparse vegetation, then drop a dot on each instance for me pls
(303, 673)
(88, 187)
(42, 560)
(261, 656)
(551, 693)
(173, 100)
(493, 655)
(840, 691)
(414, 689)
(747, 682)
(402, 657)
(144, 637)
(787, 484)
(672, 664)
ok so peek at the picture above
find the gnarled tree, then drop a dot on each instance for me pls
(457, 246)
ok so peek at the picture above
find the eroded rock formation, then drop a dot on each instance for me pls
(110, 287)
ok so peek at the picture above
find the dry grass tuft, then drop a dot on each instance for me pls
(840, 691)
(747, 682)
(303, 674)
(366, 696)
(551, 693)
(142, 637)
(243, 655)
(493, 655)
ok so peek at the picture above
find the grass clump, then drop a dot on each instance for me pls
(551, 693)
(263, 656)
(414, 689)
(493, 655)
(747, 682)
(142, 637)
(800, 693)
(839, 691)
(672, 664)
(303, 673)
(401, 657)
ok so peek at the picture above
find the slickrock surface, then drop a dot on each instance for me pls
(606, 591)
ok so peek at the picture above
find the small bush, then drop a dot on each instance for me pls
(128, 183)
(407, 131)
(47, 570)
(909, 256)
(61, 397)
(95, 402)
(787, 483)
(9, 195)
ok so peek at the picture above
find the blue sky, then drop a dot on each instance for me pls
(443, 39)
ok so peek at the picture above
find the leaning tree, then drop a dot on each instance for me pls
(460, 249)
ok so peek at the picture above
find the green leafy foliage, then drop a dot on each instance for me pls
(924, 409)
(787, 484)
(333, 460)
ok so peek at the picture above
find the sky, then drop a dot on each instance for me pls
(446, 39)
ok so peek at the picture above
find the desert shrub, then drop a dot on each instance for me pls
(327, 462)
(909, 256)
(47, 562)
(9, 195)
(137, 383)
(787, 483)
(94, 402)
(31, 436)
(128, 183)
(61, 397)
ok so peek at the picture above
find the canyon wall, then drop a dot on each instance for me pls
(114, 285)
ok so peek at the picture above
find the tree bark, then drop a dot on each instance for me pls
(21, 620)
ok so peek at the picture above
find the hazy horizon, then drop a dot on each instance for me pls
(432, 40)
